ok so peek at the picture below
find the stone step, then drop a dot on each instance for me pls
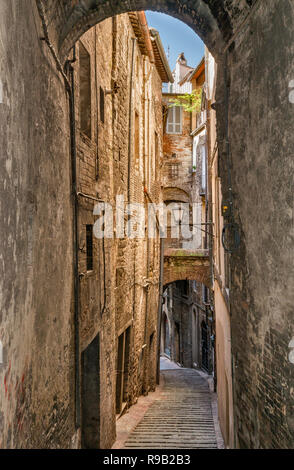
(180, 419)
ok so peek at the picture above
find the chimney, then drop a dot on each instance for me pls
(182, 59)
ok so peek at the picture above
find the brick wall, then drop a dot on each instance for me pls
(122, 289)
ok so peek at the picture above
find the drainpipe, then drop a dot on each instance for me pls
(76, 242)
(145, 381)
(69, 86)
(160, 308)
(131, 119)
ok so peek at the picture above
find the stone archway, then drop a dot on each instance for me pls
(70, 19)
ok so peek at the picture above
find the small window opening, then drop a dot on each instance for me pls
(89, 241)
(102, 105)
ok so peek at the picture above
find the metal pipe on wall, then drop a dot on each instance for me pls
(160, 307)
(131, 118)
(76, 244)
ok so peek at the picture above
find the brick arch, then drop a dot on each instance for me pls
(184, 267)
(213, 21)
(175, 194)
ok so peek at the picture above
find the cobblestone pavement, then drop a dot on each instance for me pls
(181, 416)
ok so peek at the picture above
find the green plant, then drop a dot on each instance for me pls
(190, 102)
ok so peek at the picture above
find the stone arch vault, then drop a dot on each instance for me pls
(214, 22)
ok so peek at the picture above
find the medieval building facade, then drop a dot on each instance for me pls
(118, 73)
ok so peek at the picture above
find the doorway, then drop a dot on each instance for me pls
(204, 346)
(194, 338)
(166, 337)
(122, 370)
(90, 368)
(177, 356)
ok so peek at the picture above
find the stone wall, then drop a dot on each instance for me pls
(261, 138)
(121, 291)
(36, 301)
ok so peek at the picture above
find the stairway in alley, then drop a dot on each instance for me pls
(180, 418)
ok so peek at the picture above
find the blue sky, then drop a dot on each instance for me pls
(178, 36)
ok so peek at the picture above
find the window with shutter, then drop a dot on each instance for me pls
(174, 120)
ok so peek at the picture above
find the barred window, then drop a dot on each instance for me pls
(174, 170)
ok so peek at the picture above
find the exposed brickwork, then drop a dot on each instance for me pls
(126, 299)
(186, 267)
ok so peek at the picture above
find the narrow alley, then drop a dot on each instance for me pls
(146, 224)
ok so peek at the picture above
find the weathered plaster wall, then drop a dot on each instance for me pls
(36, 314)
